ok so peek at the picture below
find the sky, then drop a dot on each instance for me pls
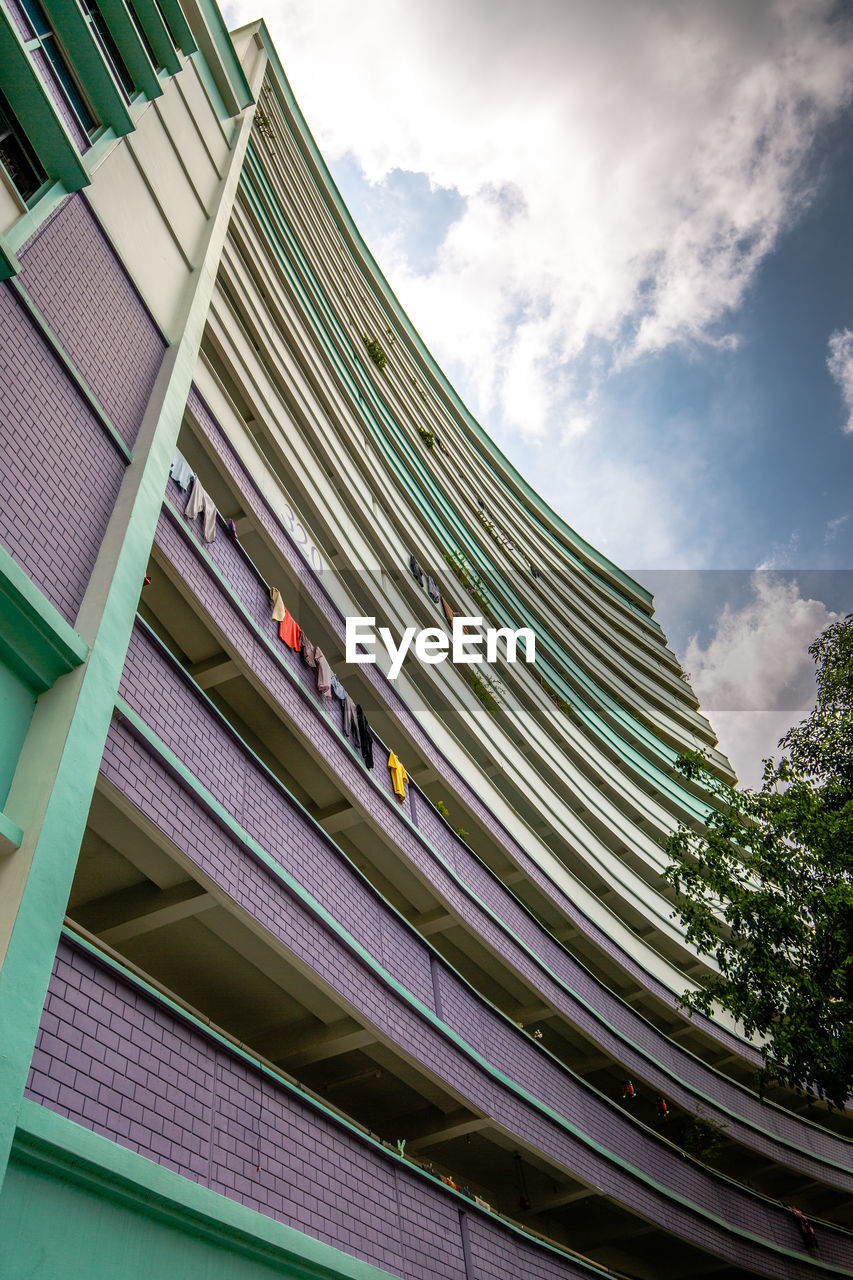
(622, 228)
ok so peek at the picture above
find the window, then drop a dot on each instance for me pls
(143, 36)
(46, 39)
(104, 39)
(17, 156)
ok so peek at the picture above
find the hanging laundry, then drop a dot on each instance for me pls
(807, 1231)
(289, 631)
(307, 652)
(351, 722)
(629, 1093)
(365, 735)
(662, 1109)
(534, 571)
(417, 571)
(399, 777)
(448, 612)
(432, 590)
(201, 501)
(180, 471)
(232, 529)
(278, 609)
(324, 674)
(337, 690)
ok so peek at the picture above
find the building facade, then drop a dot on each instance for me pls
(307, 971)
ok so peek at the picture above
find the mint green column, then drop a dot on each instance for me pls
(52, 788)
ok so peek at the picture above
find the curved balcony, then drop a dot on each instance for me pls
(467, 891)
(610, 942)
(148, 1074)
(185, 770)
(586, 928)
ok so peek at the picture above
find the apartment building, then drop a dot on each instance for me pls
(307, 971)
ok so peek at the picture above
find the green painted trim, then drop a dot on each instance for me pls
(178, 769)
(161, 41)
(222, 57)
(73, 372)
(331, 195)
(29, 222)
(131, 47)
(72, 1153)
(180, 27)
(105, 140)
(71, 722)
(89, 63)
(287, 672)
(11, 835)
(35, 640)
(31, 103)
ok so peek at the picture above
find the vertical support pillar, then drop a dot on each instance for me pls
(52, 789)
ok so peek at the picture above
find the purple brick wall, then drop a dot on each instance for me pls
(171, 707)
(78, 284)
(494, 1252)
(255, 890)
(123, 1064)
(564, 984)
(60, 474)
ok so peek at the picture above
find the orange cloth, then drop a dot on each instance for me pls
(399, 777)
(289, 631)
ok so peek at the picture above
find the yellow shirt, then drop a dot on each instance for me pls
(399, 777)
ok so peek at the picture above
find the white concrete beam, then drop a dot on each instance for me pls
(569, 1196)
(131, 913)
(334, 1040)
(214, 671)
(428, 923)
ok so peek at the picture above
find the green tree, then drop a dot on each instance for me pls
(765, 887)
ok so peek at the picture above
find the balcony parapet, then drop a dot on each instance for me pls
(218, 806)
(181, 1094)
(232, 594)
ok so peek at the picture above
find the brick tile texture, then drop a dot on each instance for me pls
(60, 475)
(120, 1062)
(78, 284)
(158, 690)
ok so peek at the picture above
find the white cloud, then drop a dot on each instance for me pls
(834, 527)
(623, 169)
(747, 738)
(782, 554)
(626, 166)
(840, 365)
(755, 678)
